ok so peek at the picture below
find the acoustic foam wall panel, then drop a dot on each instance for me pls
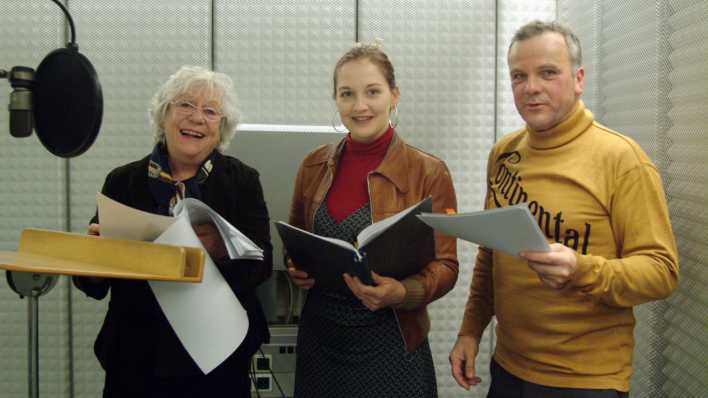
(584, 18)
(684, 362)
(281, 56)
(32, 195)
(651, 85)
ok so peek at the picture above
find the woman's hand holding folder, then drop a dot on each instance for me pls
(299, 278)
(211, 240)
(386, 291)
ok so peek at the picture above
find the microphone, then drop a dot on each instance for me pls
(21, 119)
(62, 101)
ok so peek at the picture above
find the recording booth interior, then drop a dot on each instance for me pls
(645, 76)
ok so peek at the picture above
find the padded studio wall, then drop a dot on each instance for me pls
(281, 55)
(651, 84)
(33, 194)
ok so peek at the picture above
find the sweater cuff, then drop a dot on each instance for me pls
(587, 271)
(471, 327)
(415, 294)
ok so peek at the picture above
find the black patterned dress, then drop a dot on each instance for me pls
(346, 350)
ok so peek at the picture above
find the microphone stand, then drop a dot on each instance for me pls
(32, 286)
(28, 284)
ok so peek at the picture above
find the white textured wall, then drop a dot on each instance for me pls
(281, 54)
(32, 187)
(449, 58)
(649, 81)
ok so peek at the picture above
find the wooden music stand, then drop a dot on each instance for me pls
(43, 255)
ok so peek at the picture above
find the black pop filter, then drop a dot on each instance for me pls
(68, 102)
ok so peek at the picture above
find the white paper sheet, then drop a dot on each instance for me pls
(509, 229)
(121, 221)
(207, 317)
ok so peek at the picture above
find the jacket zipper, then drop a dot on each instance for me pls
(371, 215)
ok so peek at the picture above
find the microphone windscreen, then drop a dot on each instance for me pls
(68, 103)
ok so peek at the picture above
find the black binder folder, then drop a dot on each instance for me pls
(397, 247)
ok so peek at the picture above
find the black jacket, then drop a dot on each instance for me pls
(136, 341)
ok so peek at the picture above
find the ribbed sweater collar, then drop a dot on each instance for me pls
(579, 119)
(376, 147)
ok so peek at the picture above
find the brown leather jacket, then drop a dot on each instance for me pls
(406, 176)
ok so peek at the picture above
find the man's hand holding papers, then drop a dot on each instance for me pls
(512, 230)
(556, 267)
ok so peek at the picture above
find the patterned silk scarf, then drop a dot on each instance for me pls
(167, 191)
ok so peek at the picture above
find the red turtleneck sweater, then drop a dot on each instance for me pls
(350, 190)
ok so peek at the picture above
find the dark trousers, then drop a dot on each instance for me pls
(506, 385)
(222, 382)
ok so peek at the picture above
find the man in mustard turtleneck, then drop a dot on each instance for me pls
(565, 321)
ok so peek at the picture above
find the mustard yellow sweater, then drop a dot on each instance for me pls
(595, 191)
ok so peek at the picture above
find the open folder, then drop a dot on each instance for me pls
(509, 229)
(397, 247)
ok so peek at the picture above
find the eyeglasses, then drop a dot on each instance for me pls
(186, 108)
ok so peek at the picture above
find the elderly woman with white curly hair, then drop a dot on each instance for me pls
(194, 117)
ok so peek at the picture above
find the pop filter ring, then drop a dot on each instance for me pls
(68, 102)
